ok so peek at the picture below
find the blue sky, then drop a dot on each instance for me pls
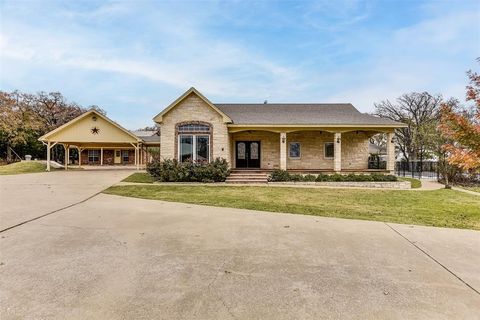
(135, 57)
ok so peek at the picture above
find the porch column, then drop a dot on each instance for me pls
(48, 156)
(337, 152)
(66, 146)
(137, 154)
(79, 157)
(283, 151)
(390, 153)
(101, 156)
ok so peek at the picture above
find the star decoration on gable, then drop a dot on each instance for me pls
(95, 130)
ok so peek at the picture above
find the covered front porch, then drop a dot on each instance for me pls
(306, 150)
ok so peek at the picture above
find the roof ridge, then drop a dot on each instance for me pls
(285, 103)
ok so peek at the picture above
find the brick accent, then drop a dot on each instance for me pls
(108, 157)
(192, 109)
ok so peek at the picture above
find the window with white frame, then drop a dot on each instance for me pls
(329, 150)
(193, 147)
(93, 155)
(294, 151)
(125, 155)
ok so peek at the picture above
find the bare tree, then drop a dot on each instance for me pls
(421, 112)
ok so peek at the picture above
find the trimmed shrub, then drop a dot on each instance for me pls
(321, 177)
(309, 178)
(173, 171)
(279, 175)
(282, 175)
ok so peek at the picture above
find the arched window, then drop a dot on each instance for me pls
(194, 142)
(193, 127)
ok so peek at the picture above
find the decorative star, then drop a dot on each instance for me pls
(95, 130)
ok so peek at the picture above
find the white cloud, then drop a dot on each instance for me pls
(176, 48)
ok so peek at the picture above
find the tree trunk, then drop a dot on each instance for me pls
(9, 153)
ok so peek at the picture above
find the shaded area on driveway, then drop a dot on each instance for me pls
(27, 196)
(123, 258)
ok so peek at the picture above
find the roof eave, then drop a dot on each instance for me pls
(159, 117)
(349, 125)
(83, 115)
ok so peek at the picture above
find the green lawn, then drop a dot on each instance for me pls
(414, 183)
(476, 189)
(139, 177)
(442, 208)
(23, 167)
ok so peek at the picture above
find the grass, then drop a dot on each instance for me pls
(441, 208)
(414, 183)
(139, 177)
(23, 167)
(476, 189)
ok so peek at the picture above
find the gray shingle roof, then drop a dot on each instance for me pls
(147, 135)
(296, 113)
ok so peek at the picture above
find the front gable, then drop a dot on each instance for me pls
(91, 127)
(188, 95)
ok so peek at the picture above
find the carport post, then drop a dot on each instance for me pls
(48, 156)
(137, 156)
(79, 157)
(66, 146)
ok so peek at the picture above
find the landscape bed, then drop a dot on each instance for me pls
(441, 208)
(350, 184)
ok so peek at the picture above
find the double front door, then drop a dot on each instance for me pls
(247, 154)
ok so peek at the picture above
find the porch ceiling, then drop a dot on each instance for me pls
(100, 145)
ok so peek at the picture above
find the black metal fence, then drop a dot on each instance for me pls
(376, 163)
(418, 169)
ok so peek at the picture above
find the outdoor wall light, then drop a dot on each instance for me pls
(393, 140)
(94, 118)
(283, 140)
(338, 140)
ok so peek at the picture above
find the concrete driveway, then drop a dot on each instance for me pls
(122, 258)
(26, 196)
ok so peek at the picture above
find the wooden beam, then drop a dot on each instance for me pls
(48, 156)
(66, 146)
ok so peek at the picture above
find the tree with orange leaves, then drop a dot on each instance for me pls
(462, 129)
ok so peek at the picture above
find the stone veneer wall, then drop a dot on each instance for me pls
(269, 147)
(193, 108)
(312, 144)
(355, 150)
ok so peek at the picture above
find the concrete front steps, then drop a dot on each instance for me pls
(247, 176)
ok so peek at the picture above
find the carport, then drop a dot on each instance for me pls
(99, 141)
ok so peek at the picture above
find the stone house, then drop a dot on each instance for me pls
(331, 137)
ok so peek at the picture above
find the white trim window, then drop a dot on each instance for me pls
(329, 150)
(294, 150)
(193, 147)
(125, 156)
(93, 155)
